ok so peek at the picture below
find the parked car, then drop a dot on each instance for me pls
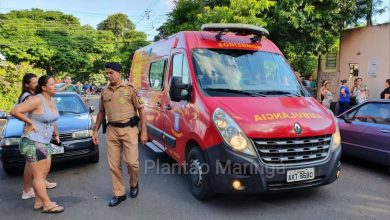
(365, 131)
(75, 128)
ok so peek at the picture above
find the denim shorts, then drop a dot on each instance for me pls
(34, 151)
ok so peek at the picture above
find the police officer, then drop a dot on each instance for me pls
(120, 102)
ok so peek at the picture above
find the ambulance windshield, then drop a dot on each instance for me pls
(238, 71)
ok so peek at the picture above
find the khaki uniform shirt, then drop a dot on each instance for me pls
(120, 103)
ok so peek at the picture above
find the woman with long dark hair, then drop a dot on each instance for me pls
(39, 113)
(322, 89)
(328, 95)
(29, 84)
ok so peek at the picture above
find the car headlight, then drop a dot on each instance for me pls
(231, 133)
(9, 141)
(82, 134)
(336, 138)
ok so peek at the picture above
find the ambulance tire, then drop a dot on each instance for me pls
(199, 182)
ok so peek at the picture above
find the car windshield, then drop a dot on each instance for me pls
(69, 104)
(244, 72)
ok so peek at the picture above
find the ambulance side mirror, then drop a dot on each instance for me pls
(179, 91)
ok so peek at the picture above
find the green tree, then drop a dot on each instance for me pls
(302, 29)
(117, 23)
(183, 17)
(239, 11)
(10, 82)
(98, 78)
(366, 9)
(57, 44)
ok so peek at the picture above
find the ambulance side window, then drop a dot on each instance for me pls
(156, 74)
(180, 68)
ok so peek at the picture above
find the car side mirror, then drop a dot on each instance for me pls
(3, 115)
(348, 120)
(179, 91)
(91, 109)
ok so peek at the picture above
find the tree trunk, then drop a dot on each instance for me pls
(370, 6)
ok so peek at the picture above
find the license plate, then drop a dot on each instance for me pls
(57, 149)
(300, 175)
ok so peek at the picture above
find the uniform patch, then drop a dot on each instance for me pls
(138, 94)
(122, 100)
(140, 101)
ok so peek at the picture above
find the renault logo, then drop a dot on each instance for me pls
(297, 128)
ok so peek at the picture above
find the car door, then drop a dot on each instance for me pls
(368, 134)
(376, 133)
(350, 131)
(154, 107)
(176, 112)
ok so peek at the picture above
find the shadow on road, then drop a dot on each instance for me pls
(366, 165)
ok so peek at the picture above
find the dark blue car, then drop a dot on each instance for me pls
(365, 131)
(75, 128)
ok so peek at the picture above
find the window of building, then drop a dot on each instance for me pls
(331, 61)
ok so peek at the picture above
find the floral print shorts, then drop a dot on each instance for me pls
(34, 151)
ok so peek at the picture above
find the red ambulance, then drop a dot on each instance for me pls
(224, 103)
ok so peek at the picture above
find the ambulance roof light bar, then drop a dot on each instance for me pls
(240, 29)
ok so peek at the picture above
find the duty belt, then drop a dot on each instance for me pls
(132, 122)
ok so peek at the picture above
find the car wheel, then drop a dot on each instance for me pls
(199, 175)
(95, 157)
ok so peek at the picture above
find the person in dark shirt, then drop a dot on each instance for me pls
(386, 92)
(344, 97)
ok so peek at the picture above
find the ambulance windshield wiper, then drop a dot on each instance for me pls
(241, 92)
(278, 92)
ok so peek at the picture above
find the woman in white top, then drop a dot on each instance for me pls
(360, 92)
(328, 95)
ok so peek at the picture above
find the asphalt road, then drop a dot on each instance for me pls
(362, 192)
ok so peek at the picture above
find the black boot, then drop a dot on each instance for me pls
(134, 191)
(116, 200)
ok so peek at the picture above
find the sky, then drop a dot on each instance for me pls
(93, 12)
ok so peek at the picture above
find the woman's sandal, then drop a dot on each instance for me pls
(37, 208)
(50, 185)
(53, 209)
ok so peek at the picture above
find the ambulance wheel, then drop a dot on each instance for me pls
(199, 175)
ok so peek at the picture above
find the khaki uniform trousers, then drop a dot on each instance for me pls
(122, 140)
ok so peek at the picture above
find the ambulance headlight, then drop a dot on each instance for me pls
(336, 138)
(231, 133)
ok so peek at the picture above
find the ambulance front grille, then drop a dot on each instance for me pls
(293, 151)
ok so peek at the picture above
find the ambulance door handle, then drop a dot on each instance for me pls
(158, 104)
(168, 107)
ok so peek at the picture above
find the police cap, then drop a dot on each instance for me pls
(114, 66)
